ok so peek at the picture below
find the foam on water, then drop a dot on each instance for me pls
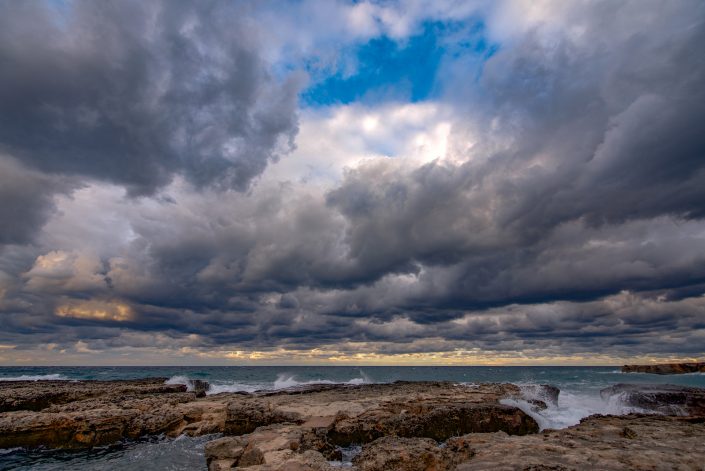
(572, 406)
(179, 379)
(283, 381)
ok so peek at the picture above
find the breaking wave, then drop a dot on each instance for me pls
(571, 407)
(283, 381)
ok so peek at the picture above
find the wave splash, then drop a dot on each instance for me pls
(570, 408)
(283, 381)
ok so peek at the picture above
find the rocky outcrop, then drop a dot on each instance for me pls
(600, 442)
(39, 395)
(246, 415)
(431, 419)
(425, 426)
(275, 447)
(666, 399)
(93, 422)
(84, 414)
(67, 414)
(297, 429)
(666, 368)
(644, 442)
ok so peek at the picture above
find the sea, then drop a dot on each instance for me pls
(579, 397)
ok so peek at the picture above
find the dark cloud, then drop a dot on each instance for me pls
(135, 92)
(26, 200)
(567, 218)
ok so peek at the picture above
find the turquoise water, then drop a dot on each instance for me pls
(580, 387)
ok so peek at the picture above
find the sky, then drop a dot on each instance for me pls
(352, 182)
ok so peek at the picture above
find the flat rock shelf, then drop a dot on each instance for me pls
(425, 426)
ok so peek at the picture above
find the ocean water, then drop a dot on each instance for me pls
(580, 397)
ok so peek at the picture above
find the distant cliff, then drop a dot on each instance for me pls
(666, 368)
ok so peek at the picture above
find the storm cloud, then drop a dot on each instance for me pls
(134, 93)
(562, 216)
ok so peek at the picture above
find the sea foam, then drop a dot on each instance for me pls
(571, 407)
(283, 381)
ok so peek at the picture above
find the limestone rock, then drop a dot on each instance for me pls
(267, 448)
(408, 454)
(245, 416)
(39, 395)
(606, 443)
(431, 419)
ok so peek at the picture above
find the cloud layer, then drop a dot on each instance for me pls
(548, 204)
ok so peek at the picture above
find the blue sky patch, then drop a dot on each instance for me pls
(400, 70)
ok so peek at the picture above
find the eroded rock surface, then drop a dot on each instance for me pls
(83, 414)
(301, 429)
(431, 419)
(268, 448)
(429, 426)
(411, 454)
(666, 368)
(67, 414)
(600, 442)
(39, 395)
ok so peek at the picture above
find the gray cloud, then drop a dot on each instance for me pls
(27, 200)
(135, 92)
(567, 220)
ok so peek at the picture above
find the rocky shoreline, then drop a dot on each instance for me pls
(666, 368)
(401, 426)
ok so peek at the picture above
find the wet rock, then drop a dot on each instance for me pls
(666, 368)
(430, 419)
(199, 387)
(666, 399)
(544, 392)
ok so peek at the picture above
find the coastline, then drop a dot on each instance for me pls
(442, 424)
